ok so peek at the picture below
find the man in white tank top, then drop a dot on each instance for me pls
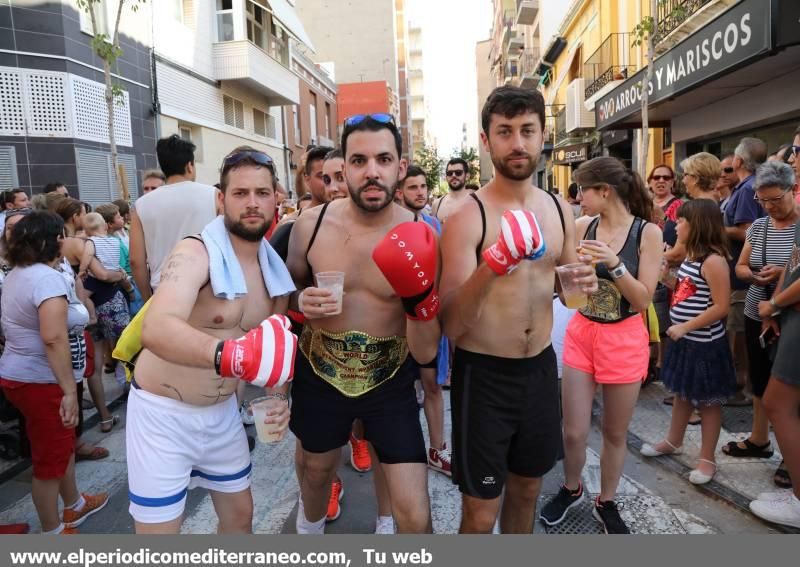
(159, 220)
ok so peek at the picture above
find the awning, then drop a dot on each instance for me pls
(565, 67)
(287, 16)
(702, 68)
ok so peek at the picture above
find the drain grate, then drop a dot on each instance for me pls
(737, 419)
(579, 520)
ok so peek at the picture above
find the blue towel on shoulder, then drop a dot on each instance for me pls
(225, 273)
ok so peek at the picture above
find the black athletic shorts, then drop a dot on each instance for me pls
(506, 418)
(434, 364)
(322, 417)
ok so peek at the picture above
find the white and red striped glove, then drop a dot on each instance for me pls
(264, 356)
(519, 238)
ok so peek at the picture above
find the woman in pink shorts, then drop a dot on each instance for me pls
(607, 341)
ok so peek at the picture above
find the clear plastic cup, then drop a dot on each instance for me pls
(574, 296)
(333, 281)
(267, 432)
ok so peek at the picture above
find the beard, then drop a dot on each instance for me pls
(515, 173)
(356, 196)
(250, 234)
(413, 205)
(457, 184)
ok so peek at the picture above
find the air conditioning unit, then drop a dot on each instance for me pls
(578, 118)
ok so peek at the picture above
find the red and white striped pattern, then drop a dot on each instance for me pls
(521, 233)
(264, 356)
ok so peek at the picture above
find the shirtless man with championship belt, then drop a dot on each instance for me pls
(499, 253)
(184, 428)
(356, 364)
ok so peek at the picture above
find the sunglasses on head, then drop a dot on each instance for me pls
(456, 172)
(382, 117)
(662, 178)
(259, 157)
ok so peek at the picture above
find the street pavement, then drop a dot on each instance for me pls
(656, 497)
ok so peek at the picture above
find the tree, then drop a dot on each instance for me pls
(470, 155)
(647, 31)
(428, 159)
(108, 50)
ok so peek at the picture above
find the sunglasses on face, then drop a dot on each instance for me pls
(382, 117)
(662, 178)
(727, 170)
(455, 172)
(259, 157)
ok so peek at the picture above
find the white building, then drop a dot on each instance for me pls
(223, 76)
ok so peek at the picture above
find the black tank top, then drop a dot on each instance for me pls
(607, 304)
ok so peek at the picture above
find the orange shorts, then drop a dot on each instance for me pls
(52, 444)
(613, 353)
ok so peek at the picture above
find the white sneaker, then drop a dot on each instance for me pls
(785, 512)
(775, 496)
(384, 525)
(246, 413)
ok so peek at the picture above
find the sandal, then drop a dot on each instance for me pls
(782, 478)
(95, 454)
(750, 449)
(695, 418)
(699, 477)
(106, 425)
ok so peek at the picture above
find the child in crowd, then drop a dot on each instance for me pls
(698, 365)
(110, 304)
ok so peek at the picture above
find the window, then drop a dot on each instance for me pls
(103, 14)
(8, 168)
(312, 117)
(279, 43)
(224, 20)
(234, 112)
(327, 120)
(97, 182)
(257, 16)
(175, 10)
(298, 139)
(264, 124)
(185, 132)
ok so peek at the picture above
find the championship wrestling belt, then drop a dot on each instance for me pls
(353, 362)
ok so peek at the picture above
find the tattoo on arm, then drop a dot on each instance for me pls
(171, 270)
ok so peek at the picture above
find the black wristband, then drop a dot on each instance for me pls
(218, 356)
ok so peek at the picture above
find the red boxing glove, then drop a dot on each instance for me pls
(407, 258)
(519, 238)
(263, 357)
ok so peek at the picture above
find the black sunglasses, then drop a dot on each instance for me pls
(259, 157)
(727, 170)
(382, 117)
(662, 177)
(456, 172)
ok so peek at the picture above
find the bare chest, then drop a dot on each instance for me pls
(238, 315)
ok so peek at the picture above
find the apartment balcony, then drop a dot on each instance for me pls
(527, 62)
(677, 19)
(608, 65)
(241, 61)
(527, 10)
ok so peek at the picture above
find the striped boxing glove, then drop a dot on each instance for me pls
(519, 238)
(264, 356)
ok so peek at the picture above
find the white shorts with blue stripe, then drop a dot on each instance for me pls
(173, 446)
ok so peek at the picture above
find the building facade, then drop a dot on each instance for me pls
(416, 87)
(367, 43)
(53, 112)
(224, 74)
(485, 85)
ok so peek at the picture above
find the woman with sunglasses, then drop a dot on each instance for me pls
(661, 183)
(766, 252)
(607, 341)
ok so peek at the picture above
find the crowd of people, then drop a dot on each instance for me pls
(519, 300)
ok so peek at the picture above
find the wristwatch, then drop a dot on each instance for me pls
(619, 271)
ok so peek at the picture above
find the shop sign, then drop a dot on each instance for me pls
(735, 37)
(571, 154)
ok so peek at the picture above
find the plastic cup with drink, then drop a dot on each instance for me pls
(333, 281)
(267, 432)
(568, 275)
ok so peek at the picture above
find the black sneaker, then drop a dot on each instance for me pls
(607, 513)
(556, 509)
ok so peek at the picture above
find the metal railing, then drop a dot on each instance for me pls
(672, 13)
(560, 123)
(610, 62)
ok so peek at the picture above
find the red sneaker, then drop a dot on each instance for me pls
(334, 506)
(439, 460)
(359, 454)
(14, 528)
(94, 503)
